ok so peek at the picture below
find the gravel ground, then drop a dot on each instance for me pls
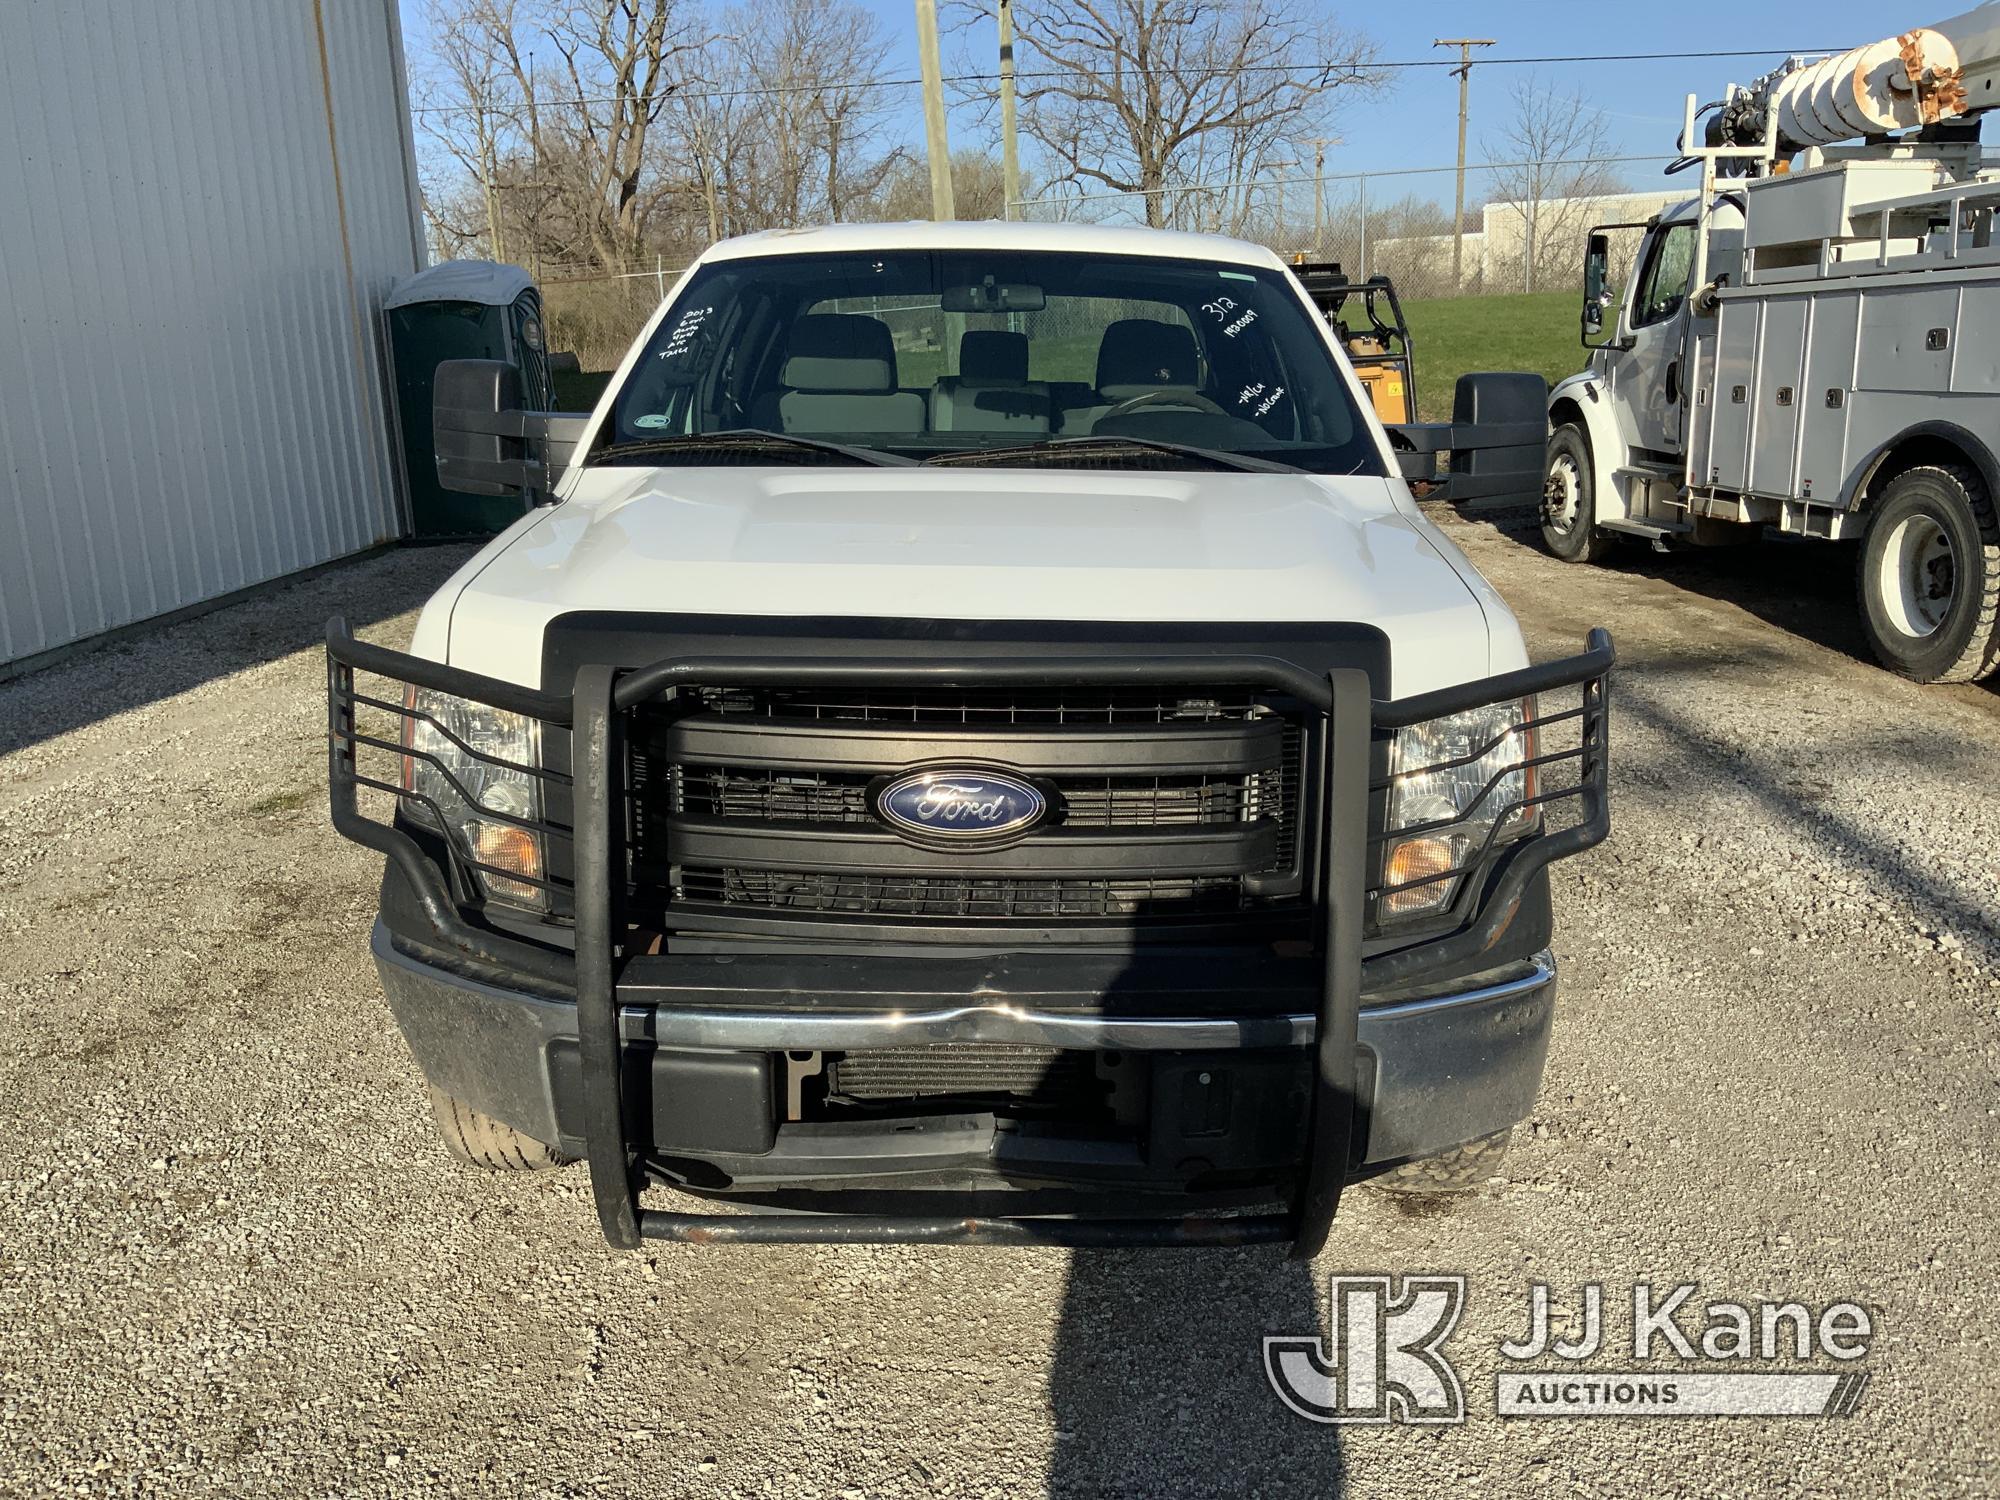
(234, 1260)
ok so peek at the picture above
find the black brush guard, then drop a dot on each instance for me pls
(594, 713)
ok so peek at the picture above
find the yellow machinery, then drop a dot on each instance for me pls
(1368, 319)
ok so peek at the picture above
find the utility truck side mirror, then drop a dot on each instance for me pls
(1596, 274)
(485, 444)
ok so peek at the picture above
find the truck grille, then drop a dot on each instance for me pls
(948, 896)
(1043, 1075)
(1096, 705)
(1107, 802)
(759, 801)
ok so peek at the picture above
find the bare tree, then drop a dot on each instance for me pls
(817, 66)
(708, 131)
(559, 152)
(1156, 97)
(978, 187)
(470, 106)
(620, 58)
(786, 127)
(588, 134)
(1557, 139)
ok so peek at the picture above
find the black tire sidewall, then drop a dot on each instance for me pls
(1574, 544)
(1935, 494)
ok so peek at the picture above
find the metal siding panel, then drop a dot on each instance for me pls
(1894, 323)
(1830, 349)
(1976, 342)
(196, 400)
(1701, 408)
(1735, 362)
(367, 87)
(1774, 396)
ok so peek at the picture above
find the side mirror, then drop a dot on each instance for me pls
(1496, 439)
(1596, 274)
(485, 444)
(1500, 434)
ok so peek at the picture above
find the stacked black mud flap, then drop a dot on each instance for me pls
(593, 788)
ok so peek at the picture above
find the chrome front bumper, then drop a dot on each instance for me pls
(1435, 1071)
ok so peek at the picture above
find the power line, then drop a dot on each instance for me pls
(1237, 182)
(839, 86)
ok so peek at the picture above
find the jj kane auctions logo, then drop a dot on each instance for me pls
(1383, 1358)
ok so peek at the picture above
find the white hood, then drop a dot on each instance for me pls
(981, 544)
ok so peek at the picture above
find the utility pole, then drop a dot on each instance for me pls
(938, 146)
(1010, 156)
(1363, 179)
(1319, 145)
(1463, 72)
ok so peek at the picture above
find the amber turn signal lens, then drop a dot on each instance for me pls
(1418, 859)
(505, 847)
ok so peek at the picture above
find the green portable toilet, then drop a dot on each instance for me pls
(463, 309)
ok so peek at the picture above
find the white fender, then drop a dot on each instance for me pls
(1583, 395)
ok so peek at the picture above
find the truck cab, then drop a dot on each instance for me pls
(1627, 412)
(973, 742)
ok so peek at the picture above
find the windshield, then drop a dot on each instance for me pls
(923, 354)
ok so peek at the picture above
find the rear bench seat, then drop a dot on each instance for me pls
(991, 391)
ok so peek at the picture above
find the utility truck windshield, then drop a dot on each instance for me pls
(1001, 358)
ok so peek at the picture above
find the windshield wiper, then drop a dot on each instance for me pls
(1215, 457)
(748, 437)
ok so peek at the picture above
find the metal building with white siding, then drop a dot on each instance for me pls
(205, 202)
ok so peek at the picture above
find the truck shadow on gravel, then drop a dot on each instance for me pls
(1703, 755)
(1806, 589)
(1157, 1385)
(161, 661)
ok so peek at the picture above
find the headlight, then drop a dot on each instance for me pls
(1457, 785)
(442, 733)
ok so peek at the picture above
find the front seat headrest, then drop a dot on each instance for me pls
(1137, 355)
(992, 356)
(840, 352)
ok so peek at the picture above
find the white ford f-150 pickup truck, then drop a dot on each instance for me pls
(973, 741)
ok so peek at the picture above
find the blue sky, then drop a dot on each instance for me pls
(1415, 123)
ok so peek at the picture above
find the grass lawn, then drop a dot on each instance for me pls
(1454, 336)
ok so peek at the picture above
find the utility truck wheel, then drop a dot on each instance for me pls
(1569, 528)
(1930, 576)
(1459, 1170)
(479, 1140)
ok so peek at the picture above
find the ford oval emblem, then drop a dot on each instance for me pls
(959, 805)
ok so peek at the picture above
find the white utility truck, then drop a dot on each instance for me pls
(973, 742)
(1812, 343)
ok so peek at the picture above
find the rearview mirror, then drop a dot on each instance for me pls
(485, 444)
(990, 296)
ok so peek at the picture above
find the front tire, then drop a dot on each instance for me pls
(479, 1140)
(1930, 576)
(1569, 499)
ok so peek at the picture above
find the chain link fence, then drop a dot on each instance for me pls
(596, 314)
